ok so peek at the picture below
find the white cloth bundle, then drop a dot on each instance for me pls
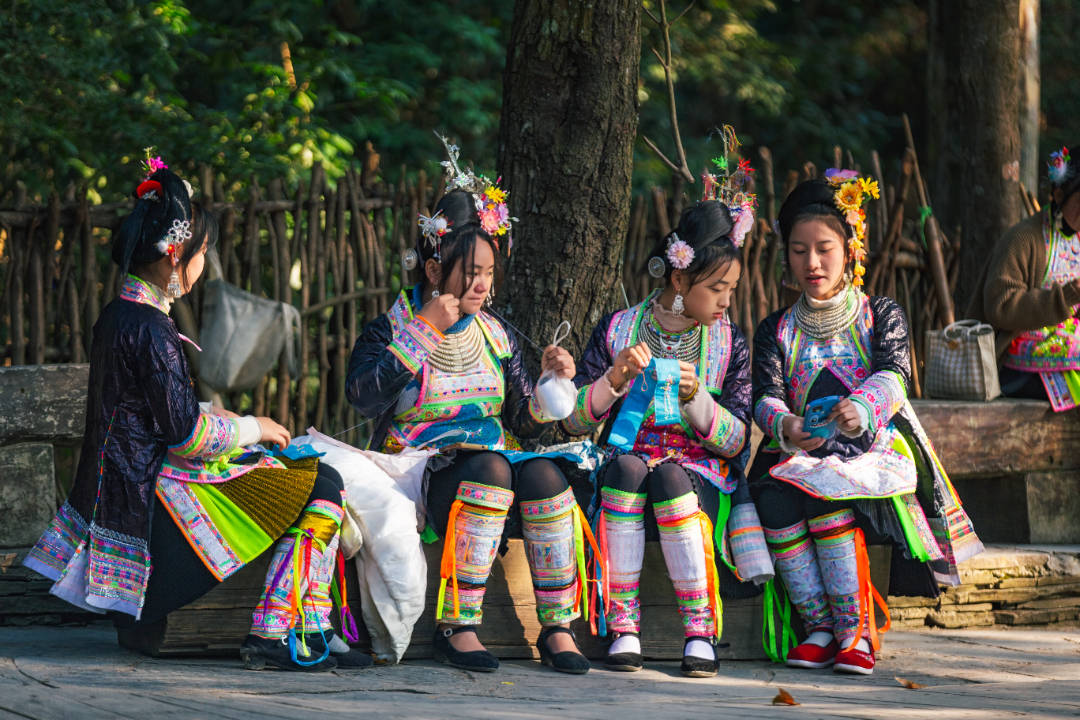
(383, 513)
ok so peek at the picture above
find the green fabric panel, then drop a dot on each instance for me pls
(239, 531)
(915, 543)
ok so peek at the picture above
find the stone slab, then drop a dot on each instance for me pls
(27, 492)
(43, 402)
(1053, 507)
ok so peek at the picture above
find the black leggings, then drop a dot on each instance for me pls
(781, 505)
(535, 479)
(179, 575)
(629, 473)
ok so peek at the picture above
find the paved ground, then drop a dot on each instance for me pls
(81, 673)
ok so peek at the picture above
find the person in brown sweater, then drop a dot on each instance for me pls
(1032, 283)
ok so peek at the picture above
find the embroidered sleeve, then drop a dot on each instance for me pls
(212, 436)
(726, 435)
(595, 361)
(770, 404)
(582, 421)
(728, 432)
(883, 393)
(415, 342)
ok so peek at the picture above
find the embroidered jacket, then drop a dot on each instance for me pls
(414, 403)
(723, 370)
(869, 362)
(140, 404)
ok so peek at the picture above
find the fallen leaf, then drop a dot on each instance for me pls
(909, 684)
(6, 561)
(507, 682)
(784, 698)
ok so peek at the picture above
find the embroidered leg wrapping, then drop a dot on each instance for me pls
(297, 589)
(622, 541)
(684, 533)
(548, 527)
(834, 538)
(473, 531)
(796, 564)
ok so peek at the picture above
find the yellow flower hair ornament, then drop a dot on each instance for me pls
(852, 192)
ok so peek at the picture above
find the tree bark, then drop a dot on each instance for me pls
(974, 100)
(569, 121)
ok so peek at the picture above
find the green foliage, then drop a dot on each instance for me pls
(206, 83)
(797, 76)
(88, 84)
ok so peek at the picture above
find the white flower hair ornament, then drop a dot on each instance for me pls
(433, 227)
(174, 239)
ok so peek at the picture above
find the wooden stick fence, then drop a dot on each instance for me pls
(333, 249)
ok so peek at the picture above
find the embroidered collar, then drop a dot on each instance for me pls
(138, 290)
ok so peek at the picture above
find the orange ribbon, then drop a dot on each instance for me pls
(868, 596)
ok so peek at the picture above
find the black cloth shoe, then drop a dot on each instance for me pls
(693, 666)
(476, 660)
(624, 661)
(567, 661)
(259, 653)
(351, 659)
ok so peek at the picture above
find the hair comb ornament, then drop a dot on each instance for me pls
(490, 200)
(730, 185)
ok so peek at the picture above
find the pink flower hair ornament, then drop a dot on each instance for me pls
(1057, 168)
(679, 253)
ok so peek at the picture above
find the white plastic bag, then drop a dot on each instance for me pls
(556, 395)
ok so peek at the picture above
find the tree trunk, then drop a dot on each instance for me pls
(1030, 164)
(569, 121)
(974, 113)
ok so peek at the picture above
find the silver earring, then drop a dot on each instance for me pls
(174, 290)
(677, 306)
(434, 294)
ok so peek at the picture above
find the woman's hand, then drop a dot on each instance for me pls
(792, 427)
(442, 311)
(559, 361)
(688, 380)
(846, 416)
(273, 434)
(628, 365)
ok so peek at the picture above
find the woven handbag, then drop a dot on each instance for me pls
(961, 362)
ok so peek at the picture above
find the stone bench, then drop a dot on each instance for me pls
(41, 429)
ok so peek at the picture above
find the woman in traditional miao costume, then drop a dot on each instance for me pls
(437, 371)
(817, 492)
(681, 447)
(1030, 293)
(166, 502)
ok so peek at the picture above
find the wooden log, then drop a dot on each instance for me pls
(933, 239)
(18, 244)
(217, 623)
(36, 273)
(319, 250)
(1027, 436)
(896, 223)
(663, 223)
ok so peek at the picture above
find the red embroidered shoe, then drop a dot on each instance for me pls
(808, 655)
(855, 662)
